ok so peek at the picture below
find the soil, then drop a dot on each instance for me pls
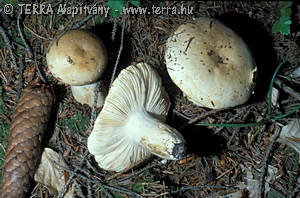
(221, 160)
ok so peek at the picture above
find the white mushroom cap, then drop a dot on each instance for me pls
(85, 94)
(78, 57)
(130, 126)
(210, 63)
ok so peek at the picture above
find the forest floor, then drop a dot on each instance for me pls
(223, 160)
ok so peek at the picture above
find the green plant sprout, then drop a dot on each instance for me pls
(269, 117)
(282, 26)
(116, 6)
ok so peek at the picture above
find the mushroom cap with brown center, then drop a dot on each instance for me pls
(78, 57)
(210, 63)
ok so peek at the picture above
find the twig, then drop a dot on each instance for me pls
(287, 89)
(114, 30)
(97, 174)
(230, 120)
(2, 147)
(102, 185)
(224, 173)
(293, 193)
(265, 163)
(83, 21)
(65, 187)
(4, 77)
(41, 37)
(7, 42)
(20, 84)
(199, 117)
(135, 174)
(119, 52)
(87, 174)
(185, 188)
(78, 189)
(203, 115)
(22, 36)
(182, 115)
(87, 18)
(89, 189)
(37, 66)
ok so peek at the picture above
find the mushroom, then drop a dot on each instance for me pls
(131, 124)
(78, 58)
(210, 63)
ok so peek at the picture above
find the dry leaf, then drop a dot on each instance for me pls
(290, 134)
(251, 183)
(51, 175)
(275, 96)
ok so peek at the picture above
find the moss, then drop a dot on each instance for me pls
(77, 122)
(4, 128)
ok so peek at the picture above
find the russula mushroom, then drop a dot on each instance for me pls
(131, 124)
(210, 63)
(78, 58)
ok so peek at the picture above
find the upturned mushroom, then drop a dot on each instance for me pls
(131, 124)
(78, 58)
(210, 63)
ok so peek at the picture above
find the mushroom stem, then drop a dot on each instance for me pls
(85, 94)
(151, 133)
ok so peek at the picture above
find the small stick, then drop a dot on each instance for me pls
(185, 188)
(182, 115)
(65, 187)
(102, 185)
(287, 89)
(78, 189)
(20, 84)
(190, 40)
(37, 66)
(22, 36)
(199, 117)
(294, 192)
(230, 120)
(41, 37)
(265, 163)
(83, 21)
(119, 52)
(114, 30)
(87, 18)
(7, 42)
(89, 189)
(135, 174)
